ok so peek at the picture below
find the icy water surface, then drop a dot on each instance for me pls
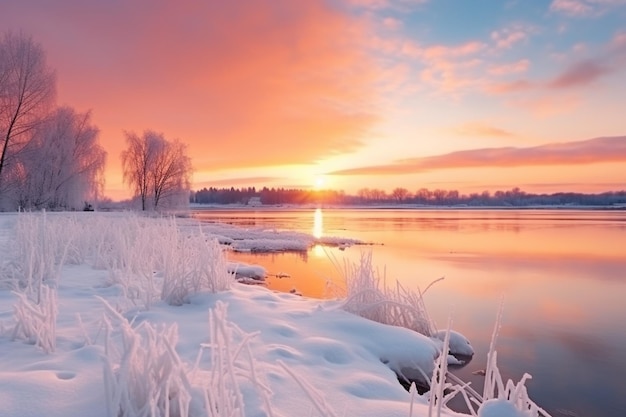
(562, 274)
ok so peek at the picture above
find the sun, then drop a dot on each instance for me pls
(319, 182)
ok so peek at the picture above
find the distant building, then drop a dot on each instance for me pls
(255, 201)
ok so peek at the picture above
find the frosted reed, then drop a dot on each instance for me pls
(369, 296)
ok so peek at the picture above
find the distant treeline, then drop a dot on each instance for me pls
(424, 196)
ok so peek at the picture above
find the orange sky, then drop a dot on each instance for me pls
(375, 93)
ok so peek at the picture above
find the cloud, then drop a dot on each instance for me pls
(386, 4)
(587, 71)
(506, 38)
(392, 23)
(579, 74)
(516, 67)
(606, 149)
(482, 130)
(548, 105)
(607, 60)
(237, 182)
(571, 7)
(447, 69)
(437, 52)
(619, 41)
(584, 8)
(274, 81)
(510, 86)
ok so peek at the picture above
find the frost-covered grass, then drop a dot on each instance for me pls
(150, 258)
(144, 376)
(498, 397)
(130, 316)
(35, 321)
(369, 296)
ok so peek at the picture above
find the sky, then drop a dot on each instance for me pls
(348, 94)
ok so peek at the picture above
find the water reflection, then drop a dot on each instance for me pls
(318, 232)
(318, 223)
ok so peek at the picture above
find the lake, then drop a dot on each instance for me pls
(560, 273)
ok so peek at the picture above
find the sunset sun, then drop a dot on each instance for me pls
(319, 182)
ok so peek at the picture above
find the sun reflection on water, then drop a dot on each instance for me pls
(318, 231)
(318, 223)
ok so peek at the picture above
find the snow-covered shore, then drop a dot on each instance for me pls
(117, 283)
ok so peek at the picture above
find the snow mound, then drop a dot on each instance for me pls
(500, 408)
(242, 270)
(459, 344)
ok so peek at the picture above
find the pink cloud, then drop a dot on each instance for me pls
(584, 8)
(598, 150)
(481, 129)
(619, 40)
(238, 182)
(447, 68)
(392, 23)
(579, 74)
(576, 75)
(506, 38)
(511, 68)
(572, 7)
(548, 105)
(385, 4)
(436, 52)
(510, 87)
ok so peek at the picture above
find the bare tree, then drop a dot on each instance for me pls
(62, 165)
(423, 195)
(378, 195)
(135, 164)
(158, 170)
(27, 90)
(171, 172)
(400, 194)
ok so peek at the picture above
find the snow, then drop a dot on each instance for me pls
(500, 407)
(245, 350)
(459, 345)
(243, 270)
(256, 239)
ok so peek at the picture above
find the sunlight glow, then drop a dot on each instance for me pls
(320, 181)
(318, 223)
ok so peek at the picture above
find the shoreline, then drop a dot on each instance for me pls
(399, 207)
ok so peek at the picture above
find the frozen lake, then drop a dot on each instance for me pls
(562, 274)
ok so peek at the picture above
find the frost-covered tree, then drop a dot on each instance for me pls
(158, 170)
(62, 165)
(27, 91)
